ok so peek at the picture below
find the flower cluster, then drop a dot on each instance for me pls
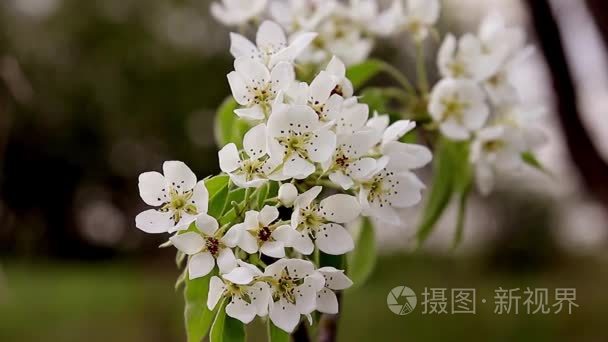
(477, 99)
(331, 163)
(314, 159)
(346, 29)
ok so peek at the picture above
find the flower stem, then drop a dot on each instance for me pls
(399, 77)
(423, 82)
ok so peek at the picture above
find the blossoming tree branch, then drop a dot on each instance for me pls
(303, 159)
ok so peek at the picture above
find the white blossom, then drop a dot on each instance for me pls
(495, 148)
(179, 198)
(271, 45)
(251, 171)
(297, 140)
(206, 246)
(247, 296)
(294, 286)
(459, 107)
(349, 161)
(258, 233)
(335, 280)
(296, 15)
(387, 188)
(237, 12)
(337, 70)
(465, 58)
(254, 87)
(418, 18)
(320, 95)
(319, 223)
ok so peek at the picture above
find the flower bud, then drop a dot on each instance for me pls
(288, 194)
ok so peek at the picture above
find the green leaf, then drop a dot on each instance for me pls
(530, 159)
(452, 174)
(237, 195)
(229, 128)
(336, 261)
(375, 99)
(262, 195)
(219, 196)
(216, 183)
(461, 219)
(196, 314)
(225, 328)
(362, 259)
(228, 217)
(276, 334)
(360, 73)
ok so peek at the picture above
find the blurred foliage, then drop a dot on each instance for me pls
(117, 86)
(135, 302)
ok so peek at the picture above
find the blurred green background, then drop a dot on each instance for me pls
(92, 93)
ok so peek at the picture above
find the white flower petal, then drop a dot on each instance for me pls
(200, 265)
(407, 156)
(179, 175)
(295, 48)
(282, 76)
(154, 221)
(321, 88)
(362, 168)
(298, 268)
(207, 224)
(152, 188)
(229, 158)
(238, 87)
(308, 196)
(342, 180)
(241, 46)
(305, 297)
(352, 119)
(239, 276)
(216, 290)
(268, 214)
(254, 73)
(340, 208)
(322, 145)
(386, 214)
(335, 279)
(270, 36)
(254, 113)
(297, 167)
(189, 243)
(275, 249)
(200, 197)
(254, 142)
(334, 239)
(232, 236)
(241, 310)
(284, 234)
(454, 130)
(397, 130)
(284, 315)
(226, 260)
(327, 302)
(260, 297)
(248, 242)
(303, 244)
(408, 191)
